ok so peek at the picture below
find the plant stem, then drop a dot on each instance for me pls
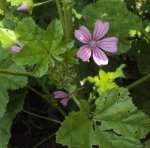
(67, 7)
(42, 3)
(45, 118)
(60, 12)
(76, 101)
(42, 141)
(26, 74)
(138, 82)
(35, 91)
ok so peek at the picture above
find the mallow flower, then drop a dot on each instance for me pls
(96, 45)
(24, 7)
(63, 96)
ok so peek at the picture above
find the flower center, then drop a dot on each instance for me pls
(93, 44)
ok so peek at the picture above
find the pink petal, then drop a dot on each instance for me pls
(83, 34)
(84, 53)
(23, 8)
(64, 101)
(15, 49)
(108, 44)
(86, 33)
(99, 57)
(101, 28)
(60, 95)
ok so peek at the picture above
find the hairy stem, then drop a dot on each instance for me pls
(138, 82)
(26, 74)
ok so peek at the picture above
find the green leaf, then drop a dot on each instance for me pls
(54, 33)
(19, 2)
(3, 99)
(14, 106)
(140, 52)
(116, 111)
(7, 37)
(121, 20)
(73, 134)
(13, 81)
(35, 53)
(105, 81)
(81, 129)
(27, 30)
(43, 53)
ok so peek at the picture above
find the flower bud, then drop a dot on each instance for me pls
(15, 49)
(23, 8)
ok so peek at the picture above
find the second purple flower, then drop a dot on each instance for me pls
(63, 96)
(96, 45)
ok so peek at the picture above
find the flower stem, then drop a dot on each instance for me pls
(26, 74)
(138, 82)
(42, 3)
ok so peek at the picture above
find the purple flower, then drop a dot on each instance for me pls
(63, 96)
(97, 44)
(24, 7)
(15, 48)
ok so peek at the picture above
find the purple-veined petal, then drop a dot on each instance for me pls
(86, 33)
(60, 95)
(15, 49)
(108, 44)
(64, 101)
(23, 7)
(99, 57)
(83, 34)
(101, 28)
(84, 53)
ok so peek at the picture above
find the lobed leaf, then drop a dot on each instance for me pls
(13, 81)
(116, 121)
(14, 106)
(116, 111)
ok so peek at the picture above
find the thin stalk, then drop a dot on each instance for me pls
(45, 118)
(61, 110)
(138, 82)
(26, 74)
(42, 141)
(42, 3)
(60, 12)
(37, 92)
